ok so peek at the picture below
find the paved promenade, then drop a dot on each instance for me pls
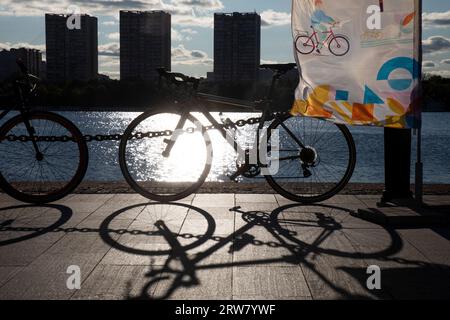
(222, 246)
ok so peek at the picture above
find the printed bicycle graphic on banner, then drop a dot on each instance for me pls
(322, 34)
(337, 44)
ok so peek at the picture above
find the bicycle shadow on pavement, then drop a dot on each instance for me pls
(20, 220)
(289, 231)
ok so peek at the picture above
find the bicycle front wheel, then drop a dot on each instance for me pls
(46, 173)
(339, 46)
(156, 174)
(320, 168)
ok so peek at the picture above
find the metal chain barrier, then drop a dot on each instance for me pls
(136, 136)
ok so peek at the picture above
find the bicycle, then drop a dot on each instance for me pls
(44, 155)
(337, 44)
(166, 154)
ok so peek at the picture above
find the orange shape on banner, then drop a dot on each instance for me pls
(316, 101)
(363, 112)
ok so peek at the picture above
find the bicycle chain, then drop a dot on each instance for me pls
(136, 136)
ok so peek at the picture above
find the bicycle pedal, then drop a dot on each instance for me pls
(307, 173)
(241, 170)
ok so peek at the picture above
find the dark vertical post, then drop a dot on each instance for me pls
(419, 165)
(397, 164)
(397, 142)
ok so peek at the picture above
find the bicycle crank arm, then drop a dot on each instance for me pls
(287, 158)
(238, 173)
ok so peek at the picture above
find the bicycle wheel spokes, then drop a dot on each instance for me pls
(49, 173)
(169, 177)
(317, 171)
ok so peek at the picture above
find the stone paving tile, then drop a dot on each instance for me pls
(260, 246)
(430, 244)
(277, 282)
(198, 227)
(328, 216)
(24, 252)
(6, 273)
(214, 200)
(215, 284)
(214, 212)
(324, 262)
(165, 212)
(255, 198)
(437, 200)
(343, 199)
(144, 254)
(47, 278)
(87, 202)
(114, 283)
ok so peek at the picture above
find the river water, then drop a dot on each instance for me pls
(104, 166)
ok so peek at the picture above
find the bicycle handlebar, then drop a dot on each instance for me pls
(28, 76)
(174, 76)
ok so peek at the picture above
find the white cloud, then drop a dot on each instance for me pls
(9, 45)
(114, 36)
(436, 19)
(183, 56)
(188, 31)
(109, 23)
(263, 61)
(109, 49)
(429, 64)
(436, 44)
(105, 62)
(194, 21)
(184, 12)
(176, 35)
(270, 18)
(441, 73)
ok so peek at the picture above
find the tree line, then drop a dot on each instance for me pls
(142, 94)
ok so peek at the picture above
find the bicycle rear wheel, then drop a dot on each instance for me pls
(321, 168)
(50, 176)
(304, 44)
(171, 177)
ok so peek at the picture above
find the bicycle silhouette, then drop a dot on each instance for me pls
(337, 44)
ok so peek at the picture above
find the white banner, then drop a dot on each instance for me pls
(358, 61)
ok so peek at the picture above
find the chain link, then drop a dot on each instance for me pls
(136, 136)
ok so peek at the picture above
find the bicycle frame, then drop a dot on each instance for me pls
(24, 111)
(267, 115)
(330, 36)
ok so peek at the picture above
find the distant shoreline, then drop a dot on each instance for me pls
(141, 109)
(253, 188)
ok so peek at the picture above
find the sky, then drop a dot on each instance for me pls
(22, 24)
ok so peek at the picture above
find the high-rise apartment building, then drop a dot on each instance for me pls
(72, 54)
(145, 44)
(30, 57)
(237, 46)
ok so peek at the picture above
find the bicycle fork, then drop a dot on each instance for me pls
(171, 142)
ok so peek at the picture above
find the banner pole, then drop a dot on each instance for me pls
(419, 164)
